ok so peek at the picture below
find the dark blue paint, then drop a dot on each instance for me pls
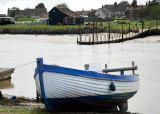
(91, 74)
(40, 71)
(101, 100)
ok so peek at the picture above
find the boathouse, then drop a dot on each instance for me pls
(63, 15)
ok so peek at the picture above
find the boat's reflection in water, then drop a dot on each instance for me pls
(6, 84)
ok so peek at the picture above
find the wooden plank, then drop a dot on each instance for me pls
(5, 73)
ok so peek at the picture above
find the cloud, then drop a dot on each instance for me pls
(74, 5)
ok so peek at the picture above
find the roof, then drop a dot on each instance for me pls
(67, 11)
(86, 13)
(116, 8)
(105, 11)
(140, 7)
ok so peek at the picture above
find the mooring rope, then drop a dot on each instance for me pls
(35, 61)
(150, 79)
(24, 64)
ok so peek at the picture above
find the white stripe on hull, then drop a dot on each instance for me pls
(66, 86)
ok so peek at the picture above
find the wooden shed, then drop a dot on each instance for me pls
(62, 15)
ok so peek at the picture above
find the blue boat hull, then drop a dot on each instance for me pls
(90, 102)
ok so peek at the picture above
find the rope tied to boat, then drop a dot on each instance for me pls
(24, 64)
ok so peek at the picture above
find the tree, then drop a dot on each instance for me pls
(152, 12)
(39, 6)
(14, 11)
(124, 3)
(62, 5)
(154, 3)
(134, 3)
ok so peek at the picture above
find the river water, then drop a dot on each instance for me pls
(17, 50)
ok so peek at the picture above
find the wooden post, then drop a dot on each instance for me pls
(93, 31)
(96, 30)
(118, 33)
(157, 24)
(132, 31)
(122, 32)
(129, 29)
(142, 26)
(1, 96)
(133, 65)
(86, 66)
(80, 35)
(106, 67)
(109, 30)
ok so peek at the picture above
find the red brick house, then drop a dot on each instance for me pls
(30, 12)
(134, 11)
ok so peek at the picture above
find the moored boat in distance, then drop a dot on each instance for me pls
(60, 87)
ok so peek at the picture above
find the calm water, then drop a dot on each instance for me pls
(17, 50)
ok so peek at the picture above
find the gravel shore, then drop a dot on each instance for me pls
(32, 104)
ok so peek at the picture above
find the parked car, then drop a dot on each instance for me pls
(87, 24)
(6, 20)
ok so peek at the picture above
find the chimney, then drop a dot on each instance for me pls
(115, 3)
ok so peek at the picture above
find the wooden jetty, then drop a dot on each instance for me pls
(120, 35)
(115, 37)
(5, 73)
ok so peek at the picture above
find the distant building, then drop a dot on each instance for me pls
(3, 15)
(35, 13)
(62, 15)
(134, 11)
(108, 11)
(46, 15)
(87, 13)
(103, 13)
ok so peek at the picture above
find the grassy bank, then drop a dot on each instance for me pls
(69, 29)
(31, 106)
(28, 111)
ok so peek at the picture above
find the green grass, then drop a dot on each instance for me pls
(21, 111)
(25, 19)
(147, 23)
(113, 25)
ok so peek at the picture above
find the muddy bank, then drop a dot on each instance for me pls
(32, 104)
(24, 103)
(57, 31)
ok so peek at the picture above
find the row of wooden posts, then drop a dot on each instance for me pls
(94, 37)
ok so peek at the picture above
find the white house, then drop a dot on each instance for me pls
(103, 13)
